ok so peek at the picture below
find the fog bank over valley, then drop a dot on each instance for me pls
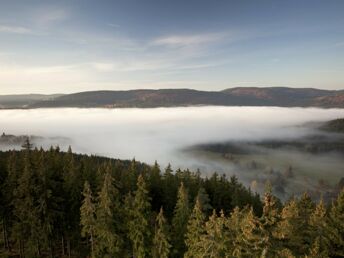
(171, 135)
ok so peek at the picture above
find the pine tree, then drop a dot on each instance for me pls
(335, 230)
(213, 243)
(306, 207)
(87, 216)
(318, 226)
(26, 208)
(195, 230)
(161, 245)
(139, 225)
(269, 222)
(179, 222)
(106, 229)
(250, 241)
(155, 184)
(294, 229)
(170, 188)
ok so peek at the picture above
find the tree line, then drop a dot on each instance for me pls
(61, 204)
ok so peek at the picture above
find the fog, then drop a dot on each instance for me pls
(161, 133)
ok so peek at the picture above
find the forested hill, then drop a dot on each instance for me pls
(56, 204)
(245, 96)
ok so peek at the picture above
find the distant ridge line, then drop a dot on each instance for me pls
(148, 98)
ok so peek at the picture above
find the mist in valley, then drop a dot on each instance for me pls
(166, 135)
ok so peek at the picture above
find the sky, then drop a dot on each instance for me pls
(69, 46)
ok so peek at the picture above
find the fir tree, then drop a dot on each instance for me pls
(250, 241)
(87, 219)
(161, 245)
(213, 243)
(335, 230)
(318, 227)
(269, 221)
(106, 229)
(195, 230)
(179, 222)
(139, 225)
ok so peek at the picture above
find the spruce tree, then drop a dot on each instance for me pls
(269, 220)
(179, 222)
(26, 209)
(335, 229)
(161, 240)
(213, 243)
(87, 216)
(106, 229)
(195, 230)
(139, 225)
(318, 226)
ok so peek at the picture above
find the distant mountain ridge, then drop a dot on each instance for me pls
(146, 98)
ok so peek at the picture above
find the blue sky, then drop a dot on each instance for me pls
(77, 45)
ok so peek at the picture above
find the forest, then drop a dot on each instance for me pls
(62, 204)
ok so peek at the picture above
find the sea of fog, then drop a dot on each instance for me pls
(161, 133)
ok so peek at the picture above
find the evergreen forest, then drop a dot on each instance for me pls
(62, 204)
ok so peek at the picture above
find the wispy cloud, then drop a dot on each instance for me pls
(15, 29)
(47, 16)
(188, 40)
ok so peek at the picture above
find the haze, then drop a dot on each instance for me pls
(156, 134)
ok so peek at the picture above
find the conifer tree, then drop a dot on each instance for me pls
(213, 243)
(269, 221)
(139, 225)
(87, 216)
(250, 241)
(318, 227)
(335, 230)
(306, 207)
(161, 244)
(195, 230)
(169, 189)
(106, 229)
(179, 222)
(155, 186)
(26, 207)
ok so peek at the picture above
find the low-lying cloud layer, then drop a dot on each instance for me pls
(157, 134)
(165, 135)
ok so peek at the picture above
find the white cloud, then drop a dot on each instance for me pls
(14, 29)
(188, 40)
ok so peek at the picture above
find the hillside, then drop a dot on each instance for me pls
(24, 100)
(336, 126)
(272, 96)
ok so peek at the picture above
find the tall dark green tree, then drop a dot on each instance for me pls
(107, 228)
(140, 221)
(161, 240)
(87, 217)
(335, 229)
(27, 227)
(179, 222)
